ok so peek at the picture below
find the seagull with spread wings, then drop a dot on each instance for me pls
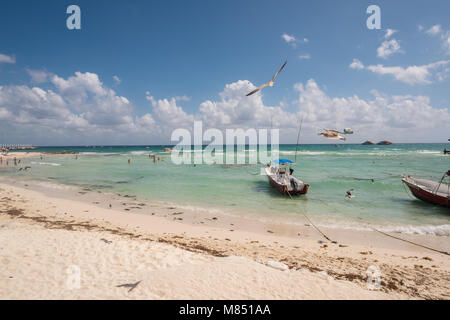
(270, 83)
(332, 134)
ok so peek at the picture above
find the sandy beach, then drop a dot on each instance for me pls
(21, 155)
(45, 238)
(24, 155)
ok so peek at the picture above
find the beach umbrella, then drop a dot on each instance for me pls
(283, 161)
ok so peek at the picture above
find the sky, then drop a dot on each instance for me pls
(138, 70)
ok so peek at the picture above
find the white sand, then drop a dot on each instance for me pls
(35, 262)
(41, 236)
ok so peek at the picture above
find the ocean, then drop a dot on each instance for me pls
(373, 171)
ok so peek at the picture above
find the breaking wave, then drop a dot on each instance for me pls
(46, 163)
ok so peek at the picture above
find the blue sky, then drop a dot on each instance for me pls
(193, 49)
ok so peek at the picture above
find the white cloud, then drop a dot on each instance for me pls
(117, 80)
(306, 56)
(424, 74)
(447, 42)
(388, 48)
(412, 74)
(292, 40)
(76, 110)
(434, 30)
(80, 109)
(182, 98)
(38, 76)
(288, 38)
(389, 33)
(383, 117)
(80, 83)
(236, 109)
(7, 59)
(356, 64)
(167, 112)
(380, 118)
(444, 35)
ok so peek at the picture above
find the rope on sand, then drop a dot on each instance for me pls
(309, 220)
(416, 244)
(323, 234)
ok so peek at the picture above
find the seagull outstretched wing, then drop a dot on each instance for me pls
(257, 89)
(270, 83)
(332, 132)
(279, 71)
(129, 285)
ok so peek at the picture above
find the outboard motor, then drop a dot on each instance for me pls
(294, 184)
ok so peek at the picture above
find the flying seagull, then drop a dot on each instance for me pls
(332, 134)
(270, 83)
(129, 285)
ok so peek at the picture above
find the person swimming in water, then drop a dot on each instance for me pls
(349, 194)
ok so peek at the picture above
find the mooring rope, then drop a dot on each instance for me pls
(323, 234)
(411, 242)
(406, 190)
(376, 179)
(309, 220)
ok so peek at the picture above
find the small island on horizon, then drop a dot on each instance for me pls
(384, 143)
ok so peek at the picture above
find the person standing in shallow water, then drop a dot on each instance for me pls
(129, 160)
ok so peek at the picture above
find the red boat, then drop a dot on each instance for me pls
(430, 191)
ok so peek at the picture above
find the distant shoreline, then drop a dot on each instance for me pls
(172, 145)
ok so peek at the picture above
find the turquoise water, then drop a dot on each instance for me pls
(329, 170)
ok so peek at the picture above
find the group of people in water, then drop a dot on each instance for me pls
(151, 156)
(16, 161)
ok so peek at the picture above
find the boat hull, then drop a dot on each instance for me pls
(283, 189)
(427, 196)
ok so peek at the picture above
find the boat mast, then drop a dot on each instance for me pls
(298, 138)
